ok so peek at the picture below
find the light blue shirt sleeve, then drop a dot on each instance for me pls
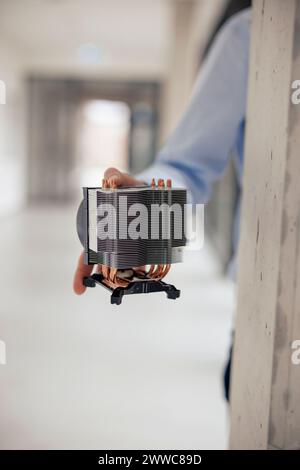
(197, 152)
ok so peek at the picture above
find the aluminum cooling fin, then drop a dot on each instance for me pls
(132, 235)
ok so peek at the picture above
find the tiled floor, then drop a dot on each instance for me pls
(81, 373)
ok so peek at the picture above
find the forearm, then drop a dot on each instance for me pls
(196, 153)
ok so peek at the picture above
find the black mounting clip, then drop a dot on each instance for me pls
(136, 287)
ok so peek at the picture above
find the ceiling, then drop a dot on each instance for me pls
(85, 36)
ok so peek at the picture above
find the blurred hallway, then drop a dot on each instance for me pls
(206, 89)
(86, 88)
(81, 373)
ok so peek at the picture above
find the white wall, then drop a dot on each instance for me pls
(12, 132)
(135, 38)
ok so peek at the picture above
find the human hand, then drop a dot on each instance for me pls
(113, 178)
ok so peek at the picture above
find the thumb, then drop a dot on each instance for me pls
(82, 271)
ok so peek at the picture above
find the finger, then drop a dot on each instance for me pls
(112, 172)
(82, 270)
(116, 178)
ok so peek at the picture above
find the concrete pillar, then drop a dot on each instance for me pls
(265, 392)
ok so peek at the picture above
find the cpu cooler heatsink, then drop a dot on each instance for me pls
(133, 235)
